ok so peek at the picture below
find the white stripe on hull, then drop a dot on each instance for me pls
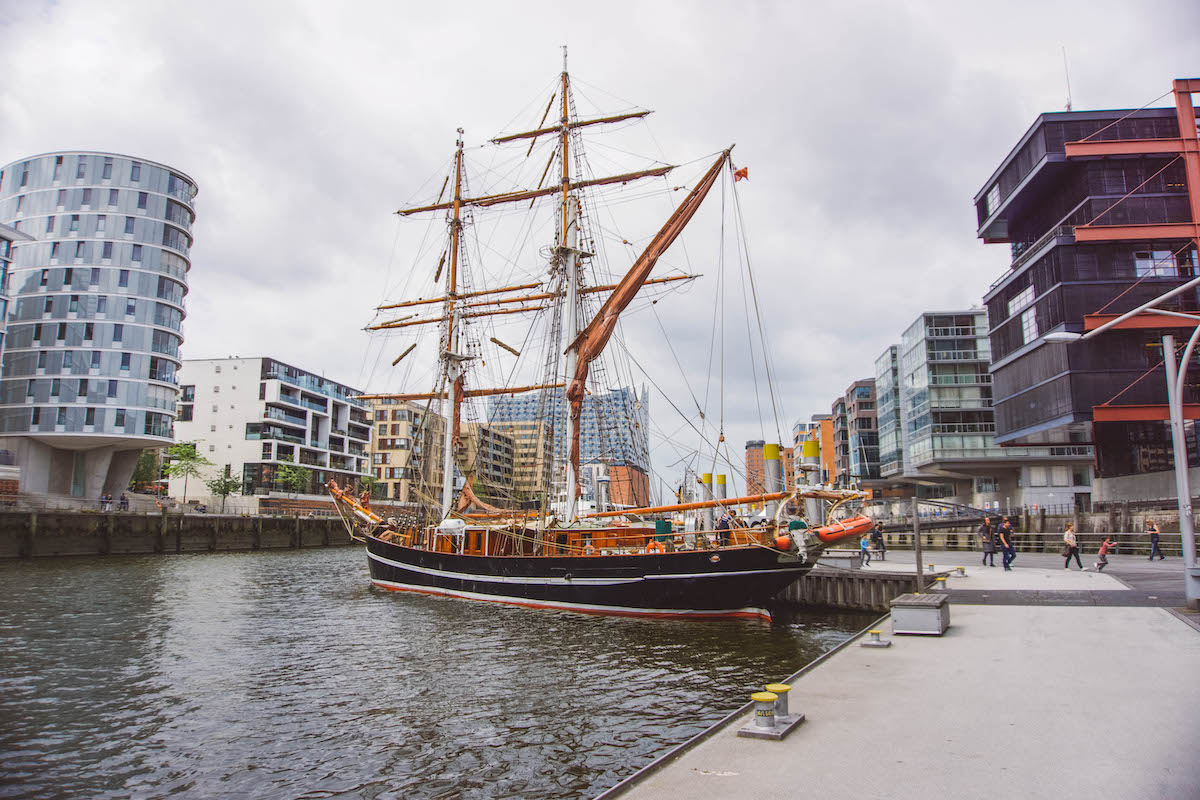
(550, 581)
(584, 608)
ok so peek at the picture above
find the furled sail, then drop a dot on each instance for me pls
(591, 340)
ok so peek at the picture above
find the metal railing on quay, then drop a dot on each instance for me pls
(1126, 543)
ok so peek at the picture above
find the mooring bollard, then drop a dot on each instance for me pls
(962, 572)
(942, 585)
(930, 568)
(764, 709)
(780, 690)
(875, 641)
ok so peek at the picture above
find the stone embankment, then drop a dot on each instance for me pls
(32, 534)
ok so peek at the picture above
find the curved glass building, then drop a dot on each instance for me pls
(94, 325)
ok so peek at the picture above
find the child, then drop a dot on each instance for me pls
(864, 547)
(1105, 547)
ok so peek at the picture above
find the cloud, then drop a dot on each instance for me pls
(867, 127)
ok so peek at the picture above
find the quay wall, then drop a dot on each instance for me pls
(857, 590)
(34, 534)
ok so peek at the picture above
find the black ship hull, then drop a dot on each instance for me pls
(732, 582)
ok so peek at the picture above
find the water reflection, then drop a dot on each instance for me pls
(286, 674)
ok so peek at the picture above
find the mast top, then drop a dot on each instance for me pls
(564, 47)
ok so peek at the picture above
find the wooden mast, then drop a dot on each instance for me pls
(452, 359)
(568, 252)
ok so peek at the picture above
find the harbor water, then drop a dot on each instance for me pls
(287, 674)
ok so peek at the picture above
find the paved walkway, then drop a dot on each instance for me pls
(1033, 701)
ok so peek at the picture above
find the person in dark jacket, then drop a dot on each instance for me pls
(987, 542)
(723, 525)
(1152, 530)
(1008, 545)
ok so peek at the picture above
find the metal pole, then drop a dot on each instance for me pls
(917, 545)
(1187, 532)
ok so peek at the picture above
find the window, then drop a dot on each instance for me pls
(101, 305)
(100, 222)
(993, 199)
(87, 198)
(80, 249)
(81, 169)
(55, 387)
(89, 331)
(45, 277)
(142, 196)
(395, 430)
(135, 172)
(83, 388)
(107, 250)
(123, 278)
(41, 362)
(62, 332)
(106, 172)
(57, 168)
(62, 199)
(20, 202)
(37, 332)
(125, 359)
(112, 389)
(129, 224)
(118, 333)
(119, 418)
(112, 197)
(137, 252)
(68, 361)
(1157, 263)
(74, 223)
(25, 173)
(48, 307)
(130, 307)
(94, 277)
(262, 391)
(61, 419)
(1029, 329)
(53, 257)
(89, 417)
(68, 276)
(73, 307)
(95, 359)
(50, 224)
(383, 430)
(35, 417)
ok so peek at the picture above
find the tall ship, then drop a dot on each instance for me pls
(694, 557)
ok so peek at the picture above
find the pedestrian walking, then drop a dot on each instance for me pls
(1008, 544)
(987, 542)
(877, 540)
(123, 503)
(1105, 547)
(1071, 546)
(1152, 529)
(723, 529)
(864, 549)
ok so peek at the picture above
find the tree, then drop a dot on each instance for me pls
(184, 462)
(223, 486)
(298, 479)
(372, 485)
(147, 470)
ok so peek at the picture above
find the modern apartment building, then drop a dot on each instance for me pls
(406, 451)
(95, 315)
(614, 426)
(9, 237)
(856, 440)
(250, 416)
(531, 460)
(887, 398)
(489, 453)
(948, 442)
(1100, 209)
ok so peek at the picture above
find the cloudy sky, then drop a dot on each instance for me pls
(867, 127)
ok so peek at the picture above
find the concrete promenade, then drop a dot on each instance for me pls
(1053, 696)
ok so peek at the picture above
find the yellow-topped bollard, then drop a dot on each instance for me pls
(764, 709)
(942, 585)
(780, 690)
(875, 641)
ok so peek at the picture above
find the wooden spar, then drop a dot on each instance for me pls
(496, 341)
(396, 324)
(431, 300)
(400, 357)
(731, 501)
(528, 297)
(467, 393)
(578, 124)
(441, 263)
(545, 114)
(512, 197)
(444, 184)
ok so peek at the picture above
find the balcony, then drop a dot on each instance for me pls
(284, 416)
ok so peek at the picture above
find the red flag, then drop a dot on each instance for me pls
(744, 172)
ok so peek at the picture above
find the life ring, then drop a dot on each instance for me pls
(158, 504)
(654, 545)
(589, 549)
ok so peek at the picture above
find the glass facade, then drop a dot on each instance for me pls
(97, 304)
(887, 394)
